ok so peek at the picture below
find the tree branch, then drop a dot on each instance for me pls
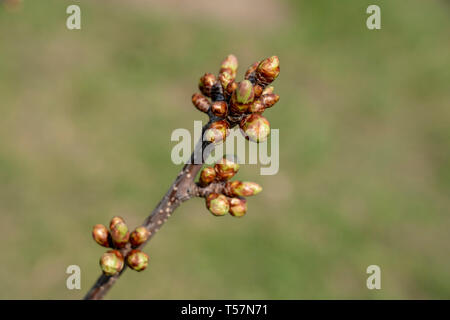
(182, 189)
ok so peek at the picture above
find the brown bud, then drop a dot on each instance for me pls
(231, 63)
(270, 99)
(139, 236)
(111, 262)
(201, 102)
(218, 131)
(206, 83)
(258, 90)
(137, 260)
(226, 168)
(257, 106)
(242, 189)
(225, 77)
(217, 204)
(207, 175)
(238, 207)
(101, 235)
(115, 220)
(251, 70)
(231, 87)
(255, 127)
(120, 234)
(219, 108)
(267, 70)
(267, 90)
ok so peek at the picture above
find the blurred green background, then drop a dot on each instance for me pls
(85, 125)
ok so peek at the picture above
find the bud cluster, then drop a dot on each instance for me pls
(238, 103)
(226, 196)
(116, 238)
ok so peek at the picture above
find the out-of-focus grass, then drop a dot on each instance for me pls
(85, 125)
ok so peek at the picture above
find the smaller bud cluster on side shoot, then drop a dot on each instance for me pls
(238, 102)
(118, 237)
(223, 196)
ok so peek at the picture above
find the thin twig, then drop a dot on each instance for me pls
(179, 191)
(182, 189)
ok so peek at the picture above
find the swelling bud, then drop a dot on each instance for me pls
(137, 260)
(255, 127)
(120, 234)
(101, 235)
(207, 175)
(201, 102)
(242, 189)
(238, 207)
(139, 236)
(218, 131)
(111, 262)
(226, 168)
(206, 83)
(267, 71)
(242, 97)
(217, 204)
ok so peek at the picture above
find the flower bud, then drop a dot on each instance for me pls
(225, 77)
(201, 102)
(219, 108)
(258, 90)
(255, 127)
(226, 168)
(207, 175)
(231, 63)
(238, 207)
(111, 262)
(120, 234)
(115, 220)
(206, 83)
(137, 260)
(267, 90)
(231, 87)
(257, 106)
(244, 92)
(217, 131)
(251, 70)
(139, 236)
(270, 99)
(217, 204)
(242, 189)
(101, 235)
(242, 97)
(268, 70)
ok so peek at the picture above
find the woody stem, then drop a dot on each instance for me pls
(182, 189)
